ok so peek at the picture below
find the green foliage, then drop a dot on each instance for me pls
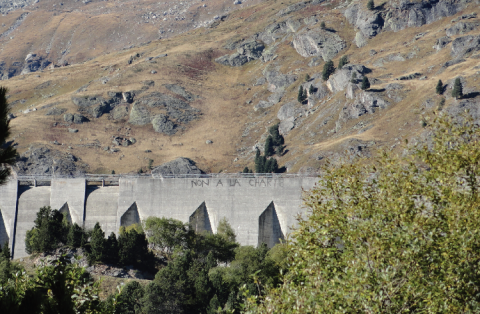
(343, 60)
(328, 69)
(60, 287)
(111, 255)
(457, 91)
(441, 104)
(390, 236)
(311, 90)
(76, 236)
(168, 234)
(129, 299)
(8, 154)
(439, 88)
(365, 83)
(150, 164)
(97, 245)
(133, 250)
(302, 94)
(307, 77)
(370, 5)
(260, 162)
(322, 25)
(225, 230)
(246, 170)
(269, 150)
(271, 166)
(276, 136)
(354, 78)
(47, 232)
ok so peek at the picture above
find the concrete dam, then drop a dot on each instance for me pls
(259, 208)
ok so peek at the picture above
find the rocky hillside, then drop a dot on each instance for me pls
(211, 93)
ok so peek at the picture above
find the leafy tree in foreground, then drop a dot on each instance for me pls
(48, 231)
(168, 234)
(390, 237)
(457, 91)
(328, 69)
(8, 154)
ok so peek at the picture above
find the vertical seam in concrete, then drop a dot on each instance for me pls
(14, 229)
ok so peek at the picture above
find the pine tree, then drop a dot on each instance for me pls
(300, 96)
(260, 164)
(277, 137)
(439, 88)
(307, 77)
(269, 146)
(457, 91)
(75, 236)
(322, 25)
(354, 78)
(370, 5)
(311, 90)
(97, 244)
(111, 249)
(328, 70)
(8, 154)
(342, 62)
(246, 170)
(365, 83)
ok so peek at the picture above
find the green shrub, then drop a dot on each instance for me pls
(328, 69)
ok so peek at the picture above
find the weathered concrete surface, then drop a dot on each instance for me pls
(259, 209)
(101, 206)
(30, 200)
(69, 192)
(8, 209)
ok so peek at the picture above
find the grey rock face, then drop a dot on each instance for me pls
(159, 100)
(55, 111)
(119, 112)
(472, 106)
(43, 160)
(368, 22)
(79, 119)
(365, 103)
(96, 106)
(178, 166)
(464, 45)
(287, 111)
(461, 28)
(262, 104)
(360, 40)
(139, 115)
(339, 80)
(278, 81)
(68, 117)
(34, 63)
(318, 42)
(246, 51)
(278, 30)
(180, 90)
(441, 43)
(162, 124)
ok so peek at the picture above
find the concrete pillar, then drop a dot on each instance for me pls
(8, 210)
(69, 194)
(102, 206)
(30, 200)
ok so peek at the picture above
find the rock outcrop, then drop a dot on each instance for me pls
(34, 63)
(246, 51)
(161, 124)
(178, 166)
(461, 46)
(339, 80)
(365, 103)
(318, 42)
(461, 28)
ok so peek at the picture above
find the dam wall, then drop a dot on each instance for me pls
(259, 208)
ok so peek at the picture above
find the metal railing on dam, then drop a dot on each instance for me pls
(259, 207)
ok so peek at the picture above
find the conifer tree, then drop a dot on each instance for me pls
(322, 25)
(8, 154)
(111, 249)
(370, 5)
(300, 96)
(277, 137)
(307, 77)
(354, 78)
(311, 90)
(75, 236)
(246, 170)
(457, 91)
(5, 251)
(269, 146)
(342, 62)
(439, 88)
(365, 83)
(328, 69)
(97, 245)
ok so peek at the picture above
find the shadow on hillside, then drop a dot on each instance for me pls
(376, 90)
(471, 95)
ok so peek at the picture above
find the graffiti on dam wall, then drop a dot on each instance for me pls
(253, 182)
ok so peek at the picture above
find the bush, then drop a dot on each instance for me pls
(328, 69)
(302, 94)
(48, 232)
(392, 236)
(322, 25)
(269, 151)
(97, 245)
(307, 77)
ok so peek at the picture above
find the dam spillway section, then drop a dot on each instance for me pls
(259, 207)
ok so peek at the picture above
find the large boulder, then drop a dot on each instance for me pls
(339, 80)
(368, 22)
(365, 103)
(246, 51)
(441, 43)
(278, 30)
(161, 124)
(180, 165)
(159, 100)
(277, 81)
(464, 45)
(180, 90)
(318, 42)
(139, 115)
(461, 28)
